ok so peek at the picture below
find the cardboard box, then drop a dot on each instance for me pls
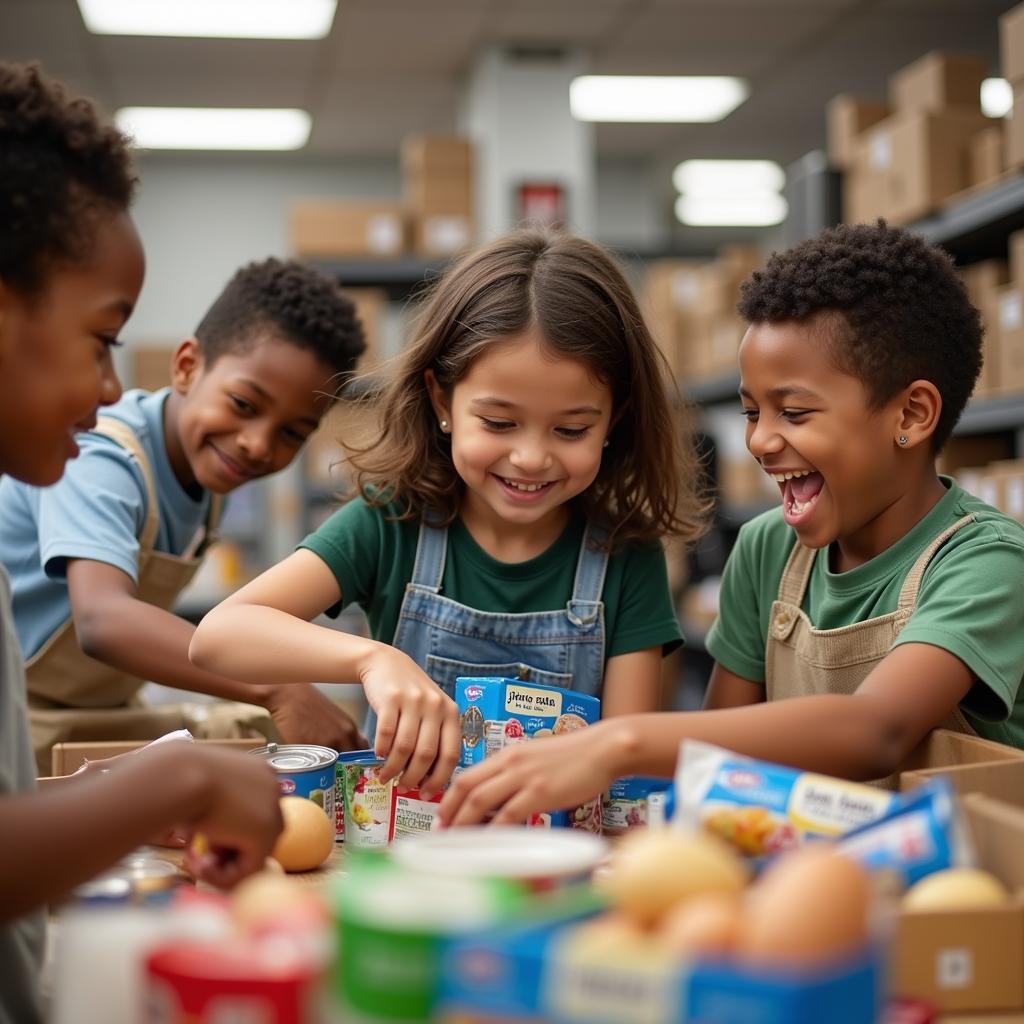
(323, 456)
(437, 176)
(151, 367)
(669, 299)
(983, 281)
(1010, 311)
(970, 959)
(943, 748)
(1001, 780)
(973, 450)
(986, 155)
(331, 228)
(938, 82)
(371, 308)
(1013, 130)
(1015, 245)
(1011, 44)
(847, 118)
(742, 481)
(448, 156)
(906, 166)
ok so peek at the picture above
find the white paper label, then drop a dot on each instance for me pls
(954, 968)
(383, 234)
(1010, 317)
(522, 700)
(1015, 498)
(446, 234)
(880, 152)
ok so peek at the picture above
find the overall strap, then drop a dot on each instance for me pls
(911, 585)
(214, 510)
(122, 434)
(431, 550)
(591, 568)
(796, 575)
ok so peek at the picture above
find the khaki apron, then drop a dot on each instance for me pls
(75, 697)
(801, 661)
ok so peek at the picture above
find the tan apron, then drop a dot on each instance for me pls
(75, 697)
(801, 661)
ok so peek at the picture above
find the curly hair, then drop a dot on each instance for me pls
(62, 168)
(901, 311)
(298, 303)
(572, 291)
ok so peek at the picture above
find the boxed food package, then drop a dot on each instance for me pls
(986, 155)
(1011, 44)
(969, 959)
(906, 166)
(326, 229)
(848, 117)
(549, 972)
(939, 81)
(498, 712)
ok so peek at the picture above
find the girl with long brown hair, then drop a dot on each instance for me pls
(509, 512)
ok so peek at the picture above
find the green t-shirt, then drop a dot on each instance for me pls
(969, 602)
(372, 558)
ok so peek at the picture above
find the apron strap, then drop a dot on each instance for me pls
(431, 550)
(795, 576)
(214, 510)
(122, 434)
(585, 605)
(911, 585)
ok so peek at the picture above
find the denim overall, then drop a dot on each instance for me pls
(446, 639)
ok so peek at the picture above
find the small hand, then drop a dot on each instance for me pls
(303, 714)
(530, 778)
(418, 727)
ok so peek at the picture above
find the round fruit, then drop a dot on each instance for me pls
(308, 836)
(956, 889)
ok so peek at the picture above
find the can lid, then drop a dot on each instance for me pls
(296, 757)
(360, 757)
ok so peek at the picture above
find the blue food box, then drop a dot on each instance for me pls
(550, 973)
(497, 713)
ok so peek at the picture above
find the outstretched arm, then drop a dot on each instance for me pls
(863, 736)
(114, 626)
(228, 797)
(262, 634)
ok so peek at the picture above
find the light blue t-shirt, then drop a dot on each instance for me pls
(96, 511)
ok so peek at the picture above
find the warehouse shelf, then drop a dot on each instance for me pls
(400, 277)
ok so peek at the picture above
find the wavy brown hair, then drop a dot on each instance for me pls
(575, 295)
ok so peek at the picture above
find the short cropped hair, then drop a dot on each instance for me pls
(903, 311)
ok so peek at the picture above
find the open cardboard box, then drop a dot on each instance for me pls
(970, 959)
(1001, 780)
(943, 748)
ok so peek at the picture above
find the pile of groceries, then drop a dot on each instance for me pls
(740, 893)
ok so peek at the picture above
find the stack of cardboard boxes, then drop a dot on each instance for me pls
(903, 165)
(1011, 54)
(433, 220)
(691, 309)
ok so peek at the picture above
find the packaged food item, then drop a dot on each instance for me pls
(637, 801)
(498, 712)
(412, 815)
(369, 802)
(763, 808)
(304, 769)
(922, 832)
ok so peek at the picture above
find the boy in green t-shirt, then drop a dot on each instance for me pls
(880, 601)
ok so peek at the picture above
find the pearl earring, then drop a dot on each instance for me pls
(605, 444)
(444, 424)
(902, 439)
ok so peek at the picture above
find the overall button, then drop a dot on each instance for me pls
(524, 673)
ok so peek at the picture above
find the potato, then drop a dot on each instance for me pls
(308, 836)
(956, 889)
(653, 870)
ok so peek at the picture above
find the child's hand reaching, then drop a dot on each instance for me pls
(418, 730)
(303, 714)
(529, 778)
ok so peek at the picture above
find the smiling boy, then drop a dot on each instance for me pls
(881, 600)
(97, 561)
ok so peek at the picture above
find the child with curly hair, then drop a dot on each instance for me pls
(510, 512)
(881, 600)
(71, 266)
(97, 561)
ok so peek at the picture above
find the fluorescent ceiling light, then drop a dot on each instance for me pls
(724, 177)
(996, 97)
(753, 209)
(655, 98)
(231, 19)
(214, 128)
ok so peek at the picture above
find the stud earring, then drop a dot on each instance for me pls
(605, 445)
(444, 425)
(902, 440)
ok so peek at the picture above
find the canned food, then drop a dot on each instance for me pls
(196, 983)
(369, 803)
(303, 769)
(636, 801)
(138, 878)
